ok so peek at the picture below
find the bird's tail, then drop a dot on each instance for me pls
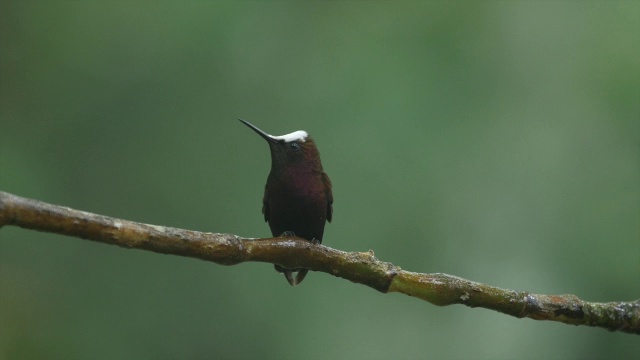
(288, 274)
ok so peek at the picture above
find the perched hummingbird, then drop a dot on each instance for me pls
(297, 197)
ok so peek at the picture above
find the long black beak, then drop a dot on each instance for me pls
(260, 132)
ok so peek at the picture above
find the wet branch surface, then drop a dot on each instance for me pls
(358, 267)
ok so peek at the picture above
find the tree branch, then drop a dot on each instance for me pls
(362, 268)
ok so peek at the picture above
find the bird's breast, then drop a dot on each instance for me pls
(297, 204)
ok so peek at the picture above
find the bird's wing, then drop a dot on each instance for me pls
(265, 205)
(328, 195)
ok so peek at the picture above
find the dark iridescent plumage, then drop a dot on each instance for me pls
(297, 197)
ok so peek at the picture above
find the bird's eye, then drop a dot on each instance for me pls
(294, 145)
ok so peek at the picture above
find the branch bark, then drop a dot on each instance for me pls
(362, 268)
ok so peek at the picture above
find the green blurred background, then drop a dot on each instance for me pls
(497, 141)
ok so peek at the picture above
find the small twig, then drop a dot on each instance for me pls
(362, 268)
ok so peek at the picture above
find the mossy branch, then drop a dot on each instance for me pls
(362, 268)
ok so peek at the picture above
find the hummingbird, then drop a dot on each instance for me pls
(297, 197)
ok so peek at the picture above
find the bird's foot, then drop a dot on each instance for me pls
(315, 241)
(288, 234)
